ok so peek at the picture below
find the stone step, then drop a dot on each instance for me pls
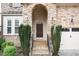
(40, 48)
(40, 40)
(40, 52)
(39, 43)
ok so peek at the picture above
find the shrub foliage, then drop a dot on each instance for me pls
(24, 34)
(7, 44)
(2, 40)
(9, 51)
(56, 38)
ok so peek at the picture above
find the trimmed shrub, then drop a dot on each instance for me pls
(24, 34)
(2, 40)
(56, 38)
(7, 44)
(9, 51)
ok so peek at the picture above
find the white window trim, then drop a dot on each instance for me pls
(9, 26)
(5, 18)
(17, 26)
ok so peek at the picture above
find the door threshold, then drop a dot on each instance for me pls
(39, 38)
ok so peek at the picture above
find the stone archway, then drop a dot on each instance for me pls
(39, 21)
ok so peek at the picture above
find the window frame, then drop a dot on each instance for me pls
(12, 17)
(9, 26)
(16, 26)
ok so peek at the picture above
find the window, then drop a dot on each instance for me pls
(75, 29)
(9, 26)
(65, 29)
(16, 26)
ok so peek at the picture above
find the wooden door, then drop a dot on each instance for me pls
(39, 30)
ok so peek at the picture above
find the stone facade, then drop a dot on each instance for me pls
(13, 38)
(66, 15)
(7, 9)
(51, 9)
(57, 14)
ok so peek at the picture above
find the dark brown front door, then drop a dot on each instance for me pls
(39, 30)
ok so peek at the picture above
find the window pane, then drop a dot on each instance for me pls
(16, 23)
(16, 29)
(8, 29)
(75, 29)
(65, 29)
(9, 23)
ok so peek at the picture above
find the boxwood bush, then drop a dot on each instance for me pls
(56, 38)
(7, 44)
(2, 40)
(9, 51)
(24, 34)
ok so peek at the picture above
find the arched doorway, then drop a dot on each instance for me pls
(39, 22)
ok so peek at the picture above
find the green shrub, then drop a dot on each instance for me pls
(7, 44)
(56, 38)
(2, 40)
(24, 34)
(9, 51)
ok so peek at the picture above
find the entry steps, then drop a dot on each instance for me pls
(40, 48)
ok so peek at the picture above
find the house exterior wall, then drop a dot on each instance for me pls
(51, 9)
(13, 38)
(7, 10)
(69, 44)
(65, 14)
(57, 15)
(0, 14)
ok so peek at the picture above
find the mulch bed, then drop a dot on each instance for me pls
(19, 52)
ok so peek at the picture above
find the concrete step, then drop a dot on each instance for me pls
(40, 52)
(40, 43)
(40, 48)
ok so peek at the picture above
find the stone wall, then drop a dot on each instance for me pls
(56, 15)
(0, 14)
(65, 14)
(27, 12)
(6, 8)
(13, 38)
